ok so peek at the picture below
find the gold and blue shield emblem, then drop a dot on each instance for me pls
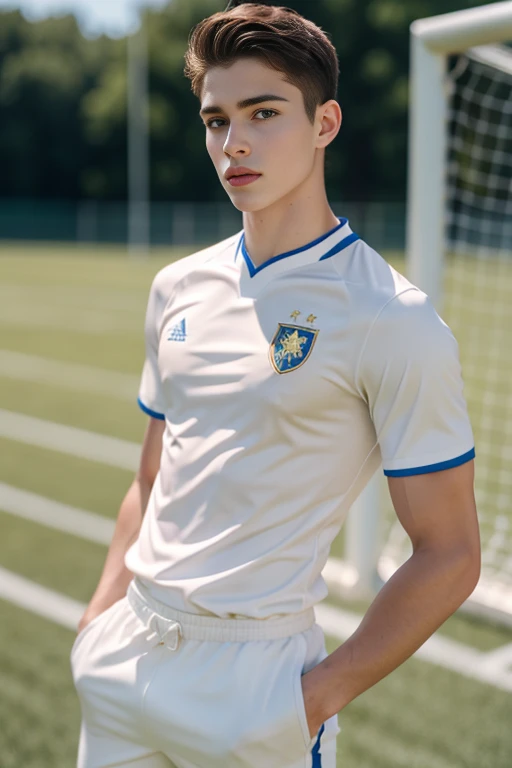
(291, 347)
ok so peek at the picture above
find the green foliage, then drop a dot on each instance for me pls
(45, 71)
(63, 103)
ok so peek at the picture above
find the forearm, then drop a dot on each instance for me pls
(115, 577)
(420, 596)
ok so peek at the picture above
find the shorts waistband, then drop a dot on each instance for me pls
(197, 627)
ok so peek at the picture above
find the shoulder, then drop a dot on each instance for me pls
(167, 278)
(382, 298)
(407, 337)
(369, 277)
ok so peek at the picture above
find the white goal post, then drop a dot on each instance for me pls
(433, 41)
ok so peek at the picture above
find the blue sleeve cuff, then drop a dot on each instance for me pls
(431, 467)
(149, 412)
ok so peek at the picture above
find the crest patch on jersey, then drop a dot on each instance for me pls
(291, 347)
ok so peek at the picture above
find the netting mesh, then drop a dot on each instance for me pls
(477, 300)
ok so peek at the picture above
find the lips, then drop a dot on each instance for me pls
(240, 171)
(241, 181)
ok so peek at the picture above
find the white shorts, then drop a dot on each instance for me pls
(160, 688)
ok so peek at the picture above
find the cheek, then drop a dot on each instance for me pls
(210, 147)
(215, 150)
(214, 147)
(293, 149)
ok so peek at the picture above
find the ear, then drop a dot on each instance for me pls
(328, 119)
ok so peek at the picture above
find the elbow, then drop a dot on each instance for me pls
(455, 570)
(469, 567)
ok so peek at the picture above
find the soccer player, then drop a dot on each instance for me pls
(283, 366)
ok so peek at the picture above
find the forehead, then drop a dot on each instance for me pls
(228, 85)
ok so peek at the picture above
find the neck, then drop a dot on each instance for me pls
(290, 223)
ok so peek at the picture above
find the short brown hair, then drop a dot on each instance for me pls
(281, 37)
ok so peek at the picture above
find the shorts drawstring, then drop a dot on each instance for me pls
(167, 631)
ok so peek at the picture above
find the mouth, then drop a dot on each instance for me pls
(244, 179)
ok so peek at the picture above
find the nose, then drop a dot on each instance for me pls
(236, 144)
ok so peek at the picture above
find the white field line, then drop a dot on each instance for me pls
(79, 378)
(53, 514)
(500, 658)
(69, 440)
(491, 668)
(40, 600)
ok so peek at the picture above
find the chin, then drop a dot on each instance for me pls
(246, 206)
(253, 203)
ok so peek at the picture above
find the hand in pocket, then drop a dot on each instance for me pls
(314, 702)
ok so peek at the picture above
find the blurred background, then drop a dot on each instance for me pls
(104, 179)
(64, 112)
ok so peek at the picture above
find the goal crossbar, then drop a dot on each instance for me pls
(458, 31)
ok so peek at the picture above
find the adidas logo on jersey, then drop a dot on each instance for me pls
(178, 332)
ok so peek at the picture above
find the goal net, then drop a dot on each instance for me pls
(477, 302)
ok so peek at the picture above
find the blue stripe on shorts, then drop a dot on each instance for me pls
(315, 752)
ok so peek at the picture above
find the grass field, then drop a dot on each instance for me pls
(78, 315)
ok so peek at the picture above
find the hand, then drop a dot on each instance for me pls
(90, 613)
(314, 701)
(84, 621)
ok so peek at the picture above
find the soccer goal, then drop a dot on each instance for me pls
(459, 251)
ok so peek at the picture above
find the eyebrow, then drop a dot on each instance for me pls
(244, 103)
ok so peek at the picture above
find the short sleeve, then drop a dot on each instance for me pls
(410, 375)
(151, 399)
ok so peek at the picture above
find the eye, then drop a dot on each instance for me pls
(268, 112)
(219, 122)
(210, 123)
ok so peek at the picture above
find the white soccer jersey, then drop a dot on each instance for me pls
(283, 387)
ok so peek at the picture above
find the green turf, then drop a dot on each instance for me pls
(90, 266)
(39, 710)
(120, 352)
(87, 307)
(62, 562)
(58, 307)
(78, 482)
(96, 413)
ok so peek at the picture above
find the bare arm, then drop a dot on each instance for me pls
(115, 577)
(438, 512)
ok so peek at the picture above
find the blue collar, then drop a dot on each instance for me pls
(253, 270)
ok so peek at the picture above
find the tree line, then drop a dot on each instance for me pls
(63, 131)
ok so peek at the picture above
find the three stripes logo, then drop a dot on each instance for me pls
(178, 332)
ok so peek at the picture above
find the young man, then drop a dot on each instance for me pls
(283, 365)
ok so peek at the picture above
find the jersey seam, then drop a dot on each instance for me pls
(368, 333)
(367, 458)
